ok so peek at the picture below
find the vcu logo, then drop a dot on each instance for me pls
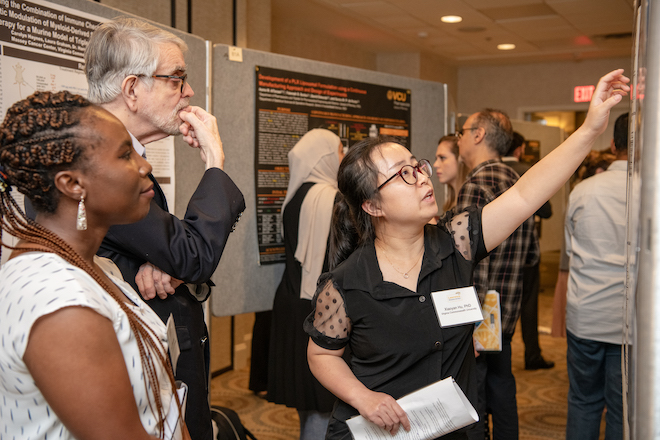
(397, 96)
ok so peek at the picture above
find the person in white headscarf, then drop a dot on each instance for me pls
(306, 214)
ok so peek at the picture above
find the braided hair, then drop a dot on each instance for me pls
(38, 138)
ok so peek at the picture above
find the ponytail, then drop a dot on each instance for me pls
(343, 235)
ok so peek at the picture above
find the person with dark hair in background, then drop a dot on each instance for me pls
(306, 214)
(595, 232)
(449, 168)
(137, 72)
(82, 356)
(595, 163)
(386, 259)
(529, 310)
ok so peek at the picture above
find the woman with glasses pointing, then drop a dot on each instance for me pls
(386, 260)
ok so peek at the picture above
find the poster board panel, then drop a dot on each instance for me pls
(242, 284)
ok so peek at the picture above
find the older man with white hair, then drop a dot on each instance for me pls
(137, 72)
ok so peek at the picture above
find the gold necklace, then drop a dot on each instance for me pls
(404, 274)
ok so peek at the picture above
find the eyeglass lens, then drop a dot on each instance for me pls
(174, 77)
(409, 172)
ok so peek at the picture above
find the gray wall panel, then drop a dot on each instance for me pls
(244, 285)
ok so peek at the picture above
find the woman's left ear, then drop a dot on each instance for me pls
(371, 208)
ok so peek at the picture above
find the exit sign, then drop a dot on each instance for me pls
(583, 93)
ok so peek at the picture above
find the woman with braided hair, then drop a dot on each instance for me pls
(81, 355)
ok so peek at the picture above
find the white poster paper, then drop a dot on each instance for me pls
(433, 411)
(160, 154)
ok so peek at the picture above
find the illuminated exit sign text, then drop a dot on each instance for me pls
(583, 93)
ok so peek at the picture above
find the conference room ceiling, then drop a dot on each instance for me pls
(542, 30)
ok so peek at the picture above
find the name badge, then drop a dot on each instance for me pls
(457, 306)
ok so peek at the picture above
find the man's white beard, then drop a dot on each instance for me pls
(169, 123)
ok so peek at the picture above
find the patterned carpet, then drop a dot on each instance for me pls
(541, 394)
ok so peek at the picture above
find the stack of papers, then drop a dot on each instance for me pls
(433, 411)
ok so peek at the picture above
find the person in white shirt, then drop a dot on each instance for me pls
(595, 232)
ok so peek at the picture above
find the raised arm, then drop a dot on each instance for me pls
(504, 214)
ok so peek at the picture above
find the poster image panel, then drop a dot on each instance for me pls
(288, 105)
(43, 45)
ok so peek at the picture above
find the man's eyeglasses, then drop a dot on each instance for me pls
(409, 172)
(459, 133)
(182, 78)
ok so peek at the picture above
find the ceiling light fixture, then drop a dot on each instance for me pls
(506, 46)
(451, 19)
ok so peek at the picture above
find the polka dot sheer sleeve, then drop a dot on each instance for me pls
(328, 324)
(461, 232)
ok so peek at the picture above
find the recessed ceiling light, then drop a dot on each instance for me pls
(506, 46)
(451, 19)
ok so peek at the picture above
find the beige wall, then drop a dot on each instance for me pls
(294, 39)
(433, 68)
(424, 66)
(540, 86)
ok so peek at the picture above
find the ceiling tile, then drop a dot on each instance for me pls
(373, 9)
(530, 28)
(517, 12)
(596, 29)
(430, 11)
(402, 22)
(521, 46)
(479, 4)
(593, 10)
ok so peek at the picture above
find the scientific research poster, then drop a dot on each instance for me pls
(43, 45)
(288, 105)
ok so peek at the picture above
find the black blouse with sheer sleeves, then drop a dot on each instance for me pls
(396, 341)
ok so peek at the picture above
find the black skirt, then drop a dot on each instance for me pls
(290, 382)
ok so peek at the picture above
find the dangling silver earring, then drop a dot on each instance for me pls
(81, 219)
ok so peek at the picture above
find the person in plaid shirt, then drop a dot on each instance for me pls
(483, 140)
